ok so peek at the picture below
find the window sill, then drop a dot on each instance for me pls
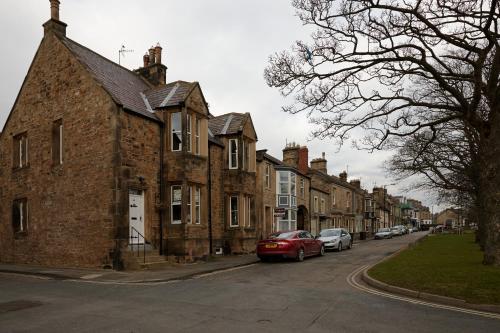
(18, 169)
(20, 234)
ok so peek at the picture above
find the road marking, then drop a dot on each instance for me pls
(351, 280)
(222, 271)
(90, 276)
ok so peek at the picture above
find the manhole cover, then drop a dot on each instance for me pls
(18, 305)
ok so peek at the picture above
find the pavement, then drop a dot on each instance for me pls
(167, 273)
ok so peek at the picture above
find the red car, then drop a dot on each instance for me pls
(290, 244)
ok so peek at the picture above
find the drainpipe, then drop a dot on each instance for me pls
(162, 139)
(210, 241)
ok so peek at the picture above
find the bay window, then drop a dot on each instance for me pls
(233, 154)
(176, 204)
(176, 138)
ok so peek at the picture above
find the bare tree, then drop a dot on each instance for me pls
(397, 69)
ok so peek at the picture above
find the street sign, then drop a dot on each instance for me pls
(279, 212)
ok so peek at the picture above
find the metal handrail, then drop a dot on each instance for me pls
(139, 235)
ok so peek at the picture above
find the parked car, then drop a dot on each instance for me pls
(335, 239)
(384, 233)
(397, 230)
(415, 229)
(290, 244)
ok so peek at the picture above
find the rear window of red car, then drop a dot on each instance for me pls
(282, 235)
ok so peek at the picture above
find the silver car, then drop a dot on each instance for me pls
(335, 239)
(384, 233)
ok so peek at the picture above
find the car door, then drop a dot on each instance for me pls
(344, 236)
(312, 243)
(305, 243)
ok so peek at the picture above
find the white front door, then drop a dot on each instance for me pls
(136, 216)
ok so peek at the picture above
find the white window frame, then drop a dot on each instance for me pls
(188, 136)
(172, 204)
(293, 183)
(197, 205)
(231, 211)
(283, 200)
(23, 143)
(279, 182)
(231, 166)
(189, 215)
(60, 143)
(173, 131)
(197, 136)
(292, 222)
(268, 175)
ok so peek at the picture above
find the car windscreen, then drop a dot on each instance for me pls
(329, 233)
(384, 230)
(282, 235)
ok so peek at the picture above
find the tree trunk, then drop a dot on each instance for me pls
(489, 202)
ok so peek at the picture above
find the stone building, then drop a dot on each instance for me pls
(96, 158)
(237, 134)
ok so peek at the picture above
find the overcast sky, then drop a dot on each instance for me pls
(223, 44)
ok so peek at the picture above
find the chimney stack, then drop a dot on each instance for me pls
(151, 55)
(158, 54)
(303, 159)
(319, 164)
(145, 58)
(54, 24)
(343, 176)
(54, 9)
(153, 71)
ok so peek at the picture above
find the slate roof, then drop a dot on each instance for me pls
(170, 94)
(126, 87)
(229, 123)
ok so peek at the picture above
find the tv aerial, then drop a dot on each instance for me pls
(121, 53)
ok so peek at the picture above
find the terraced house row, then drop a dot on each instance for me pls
(95, 158)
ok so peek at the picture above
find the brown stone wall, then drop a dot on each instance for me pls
(70, 205)
(140, 169)
(217, 196)
(265, 197)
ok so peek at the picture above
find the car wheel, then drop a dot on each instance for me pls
(300, 255)
(350, 245)
(340, 247)
(322, 250)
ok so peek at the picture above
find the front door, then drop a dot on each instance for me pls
(136, 216)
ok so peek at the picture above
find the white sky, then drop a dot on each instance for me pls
(223, 44)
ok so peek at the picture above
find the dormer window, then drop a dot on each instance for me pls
(233, 154)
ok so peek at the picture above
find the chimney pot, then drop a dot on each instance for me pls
(54, 9)
(323, 155)
(146, 60)
(151, 55)
(158, 54)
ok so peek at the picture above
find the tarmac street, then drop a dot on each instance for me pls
(317, 295)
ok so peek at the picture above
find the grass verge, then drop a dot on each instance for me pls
(447, 265)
